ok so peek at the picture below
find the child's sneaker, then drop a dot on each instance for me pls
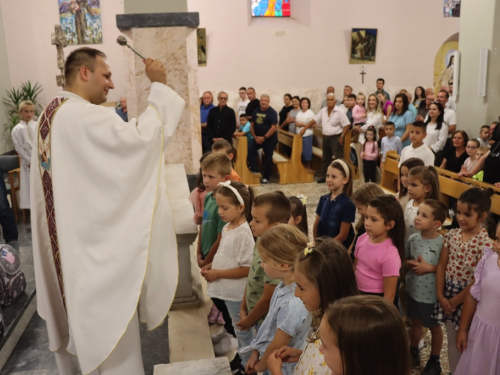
(415, 359)
(216, 337)
(213, 315)
(225, 345)
(432, 368)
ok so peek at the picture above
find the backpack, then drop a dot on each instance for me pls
(12, 279)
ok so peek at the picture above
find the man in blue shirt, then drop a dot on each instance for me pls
(206, 136)
(264, 124)
(122, 111)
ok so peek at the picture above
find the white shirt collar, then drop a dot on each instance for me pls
(71, 95)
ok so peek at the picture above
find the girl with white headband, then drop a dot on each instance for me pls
(226, 275)
(336, 211)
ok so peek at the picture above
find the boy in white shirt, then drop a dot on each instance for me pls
(242, 105)
(418, 149)
(484, 136)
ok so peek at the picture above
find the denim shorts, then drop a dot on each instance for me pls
(307, 148)
(421, 311)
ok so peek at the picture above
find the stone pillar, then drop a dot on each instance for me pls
(171, 38)
(479, 28)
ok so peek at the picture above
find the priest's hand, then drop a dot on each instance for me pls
(156, 71)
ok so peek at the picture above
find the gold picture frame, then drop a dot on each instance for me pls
(363, 46)
(201, 35)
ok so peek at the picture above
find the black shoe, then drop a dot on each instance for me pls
(432, 368)
(415, 359)
(321, 180)
(235, 364)
(264, 181)
(241, 371)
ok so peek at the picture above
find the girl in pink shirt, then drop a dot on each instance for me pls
(379, 251)
(369, 155)
(359, 110)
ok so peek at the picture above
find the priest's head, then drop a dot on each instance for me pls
(87, 74)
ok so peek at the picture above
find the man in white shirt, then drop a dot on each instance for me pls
(242, 104)
(104, 243)
(417, 149)
(334, 124)
(450, 116)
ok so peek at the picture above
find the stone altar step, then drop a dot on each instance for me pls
(214, 366)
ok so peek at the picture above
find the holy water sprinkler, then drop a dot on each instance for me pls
(123, 42)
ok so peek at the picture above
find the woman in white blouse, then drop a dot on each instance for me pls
(373, 118)
(437, 131)
(304, 116)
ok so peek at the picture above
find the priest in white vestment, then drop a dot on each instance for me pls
(104, 243)
(22, 138)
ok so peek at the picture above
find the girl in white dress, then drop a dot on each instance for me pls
(23, 137)
(323, 274)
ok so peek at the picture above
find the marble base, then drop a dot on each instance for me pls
(176, 47)
(216, 366)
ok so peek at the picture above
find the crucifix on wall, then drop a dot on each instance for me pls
(60, 41)
(362, 68)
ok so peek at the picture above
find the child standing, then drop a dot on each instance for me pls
(423, 183)
(23, 136)
(484, 136)
(390, 142)
(359, 110)
(215, 168)
(462, 250)
(370, 155)
(224, 146)
(480, 350)
(471, 149)
(336, 212)
(380, 250)
(404, 171)
(362, 198)
(299, 213)
(268, 210)
(288, 321)
(349, 350)
(417, 149)
(226, 275)
(197, 196)
(422, 256)
(323, 275)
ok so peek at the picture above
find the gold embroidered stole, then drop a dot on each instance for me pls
(45, 167)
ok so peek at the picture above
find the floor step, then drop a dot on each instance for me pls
(213, 366)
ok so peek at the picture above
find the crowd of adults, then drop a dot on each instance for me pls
(259, 122)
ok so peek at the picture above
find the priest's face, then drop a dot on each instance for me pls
(100, 82)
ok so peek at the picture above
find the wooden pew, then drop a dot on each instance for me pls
(291, 169)
(318, 149)
(240, 164)
(450, 185)
(391, 170)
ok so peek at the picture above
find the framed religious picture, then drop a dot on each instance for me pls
(81, 21)
(202, 46)
(363, 46)
(451, 8)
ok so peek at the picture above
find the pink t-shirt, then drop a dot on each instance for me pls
(357, 114)
(375, 261)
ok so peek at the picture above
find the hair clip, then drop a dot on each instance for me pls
(303, 198)
(309, 248)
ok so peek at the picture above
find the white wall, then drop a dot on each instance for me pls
(155, 6)
(28, 25)
(4, 84)
(315, 51)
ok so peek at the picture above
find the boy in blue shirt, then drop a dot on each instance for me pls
(244, 129)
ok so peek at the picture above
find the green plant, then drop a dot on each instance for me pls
(15, 96)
